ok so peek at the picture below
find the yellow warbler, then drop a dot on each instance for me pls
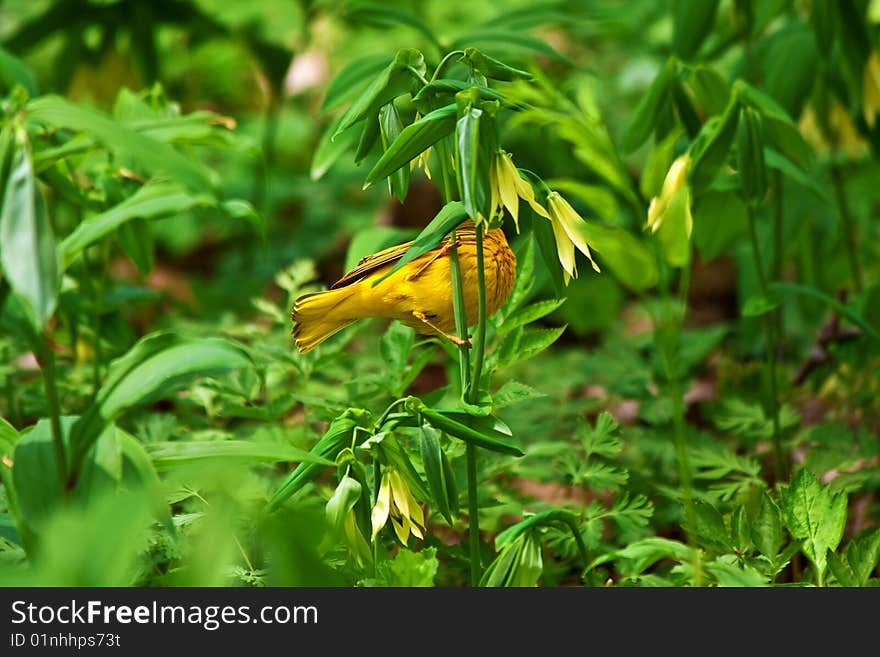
(419, 294)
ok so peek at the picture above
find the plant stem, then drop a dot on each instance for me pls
(47, 369)
(779, 465)
(480, 335)
(445, 61)
(849, 226)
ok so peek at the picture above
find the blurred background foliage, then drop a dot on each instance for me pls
(264, 69)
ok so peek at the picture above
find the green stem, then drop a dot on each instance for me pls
(444, 62)
(779, 464)
(473, 515)
(480, 335)
(778, 226)
(849, 227)
(47, 369)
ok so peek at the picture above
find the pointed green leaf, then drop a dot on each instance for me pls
(692, 22)
(644, 118)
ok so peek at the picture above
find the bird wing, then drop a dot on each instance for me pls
(392, 254)
(371, 263)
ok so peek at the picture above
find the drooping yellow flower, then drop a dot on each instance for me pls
(566, 221)
(871, 89)
(676, 179)
(508, 187)
(395, 501)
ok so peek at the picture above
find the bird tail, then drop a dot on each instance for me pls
(319, 315)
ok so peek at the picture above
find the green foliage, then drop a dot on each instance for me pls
(700, 410)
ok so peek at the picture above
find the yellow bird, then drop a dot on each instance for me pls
(419, 294)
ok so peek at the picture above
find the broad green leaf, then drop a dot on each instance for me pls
(465, 432)
(758, 305)
(841, 570)
(627, 256)
(34, 473)
(154, 156)
(165, 455)
(529, 314)
(692, 22)
(509, 40)
(412, 141)
(450, 216)
(637, 557)
(474, 194)
(13, 71)
(27, 242)
(156, 366)
(750, 156)
(390, 127)
(711, 90)
(720, 218)
(429, 96)
(383, 15)
(329, 150)
(710, 528)
(733, 574)
(644, 118)
(337, 437)
(791, 64)
(491, 67)
(368, 138)
(136, 241)
(433, 461)
(532, 342)
(816, 515)
(863, 555)
(780, 131)
(781, 163)
(391, 82)
(767, 528)
(345, 496)
(395, 347)
(154, 200)
(409, 569)
(350, 78)
(711, 147)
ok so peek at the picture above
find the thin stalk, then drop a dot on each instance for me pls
(480, 335)
(473, 515)
(444, 62)
(47, 369)
(779, 464)
(777, 246)
(849, 226)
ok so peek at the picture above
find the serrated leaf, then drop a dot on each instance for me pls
(514, 392)
(816, 515)
(731, 574)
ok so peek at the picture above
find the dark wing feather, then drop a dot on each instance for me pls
(371, 263)
(392, 254)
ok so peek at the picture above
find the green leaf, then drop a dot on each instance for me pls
(368, 138)
(166, 455)
(383, 15)
(34, 477)
(514, 392)
(13, 71)
(391, 82)
(154, 367)
(791, 65)
(711, 90)
(450, 216)
(733, 574)
(474, 193)
(637, 557)
(435, 472)
(781, 163)
(390, 127)
(412, 141)
(491, 67)
(27, 243)
(816, 515)
(409, 569)
(329, 150)
(395, 347)
(780, 131)
(750, 156)
(710, 528)
(794, 289)
(841, 570)
(644, 118)
(628, 257)
(758, 305)
(136, 241)
(711, 147)
(863, 555)
(344, 498)
(154, 156)
(533, 342)
(720, 218)
(767, 528)
(350, 78)
(468, 429)
(154, 200)
(337, 436)
(508, 40)
(529, 314)
(692, 22)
